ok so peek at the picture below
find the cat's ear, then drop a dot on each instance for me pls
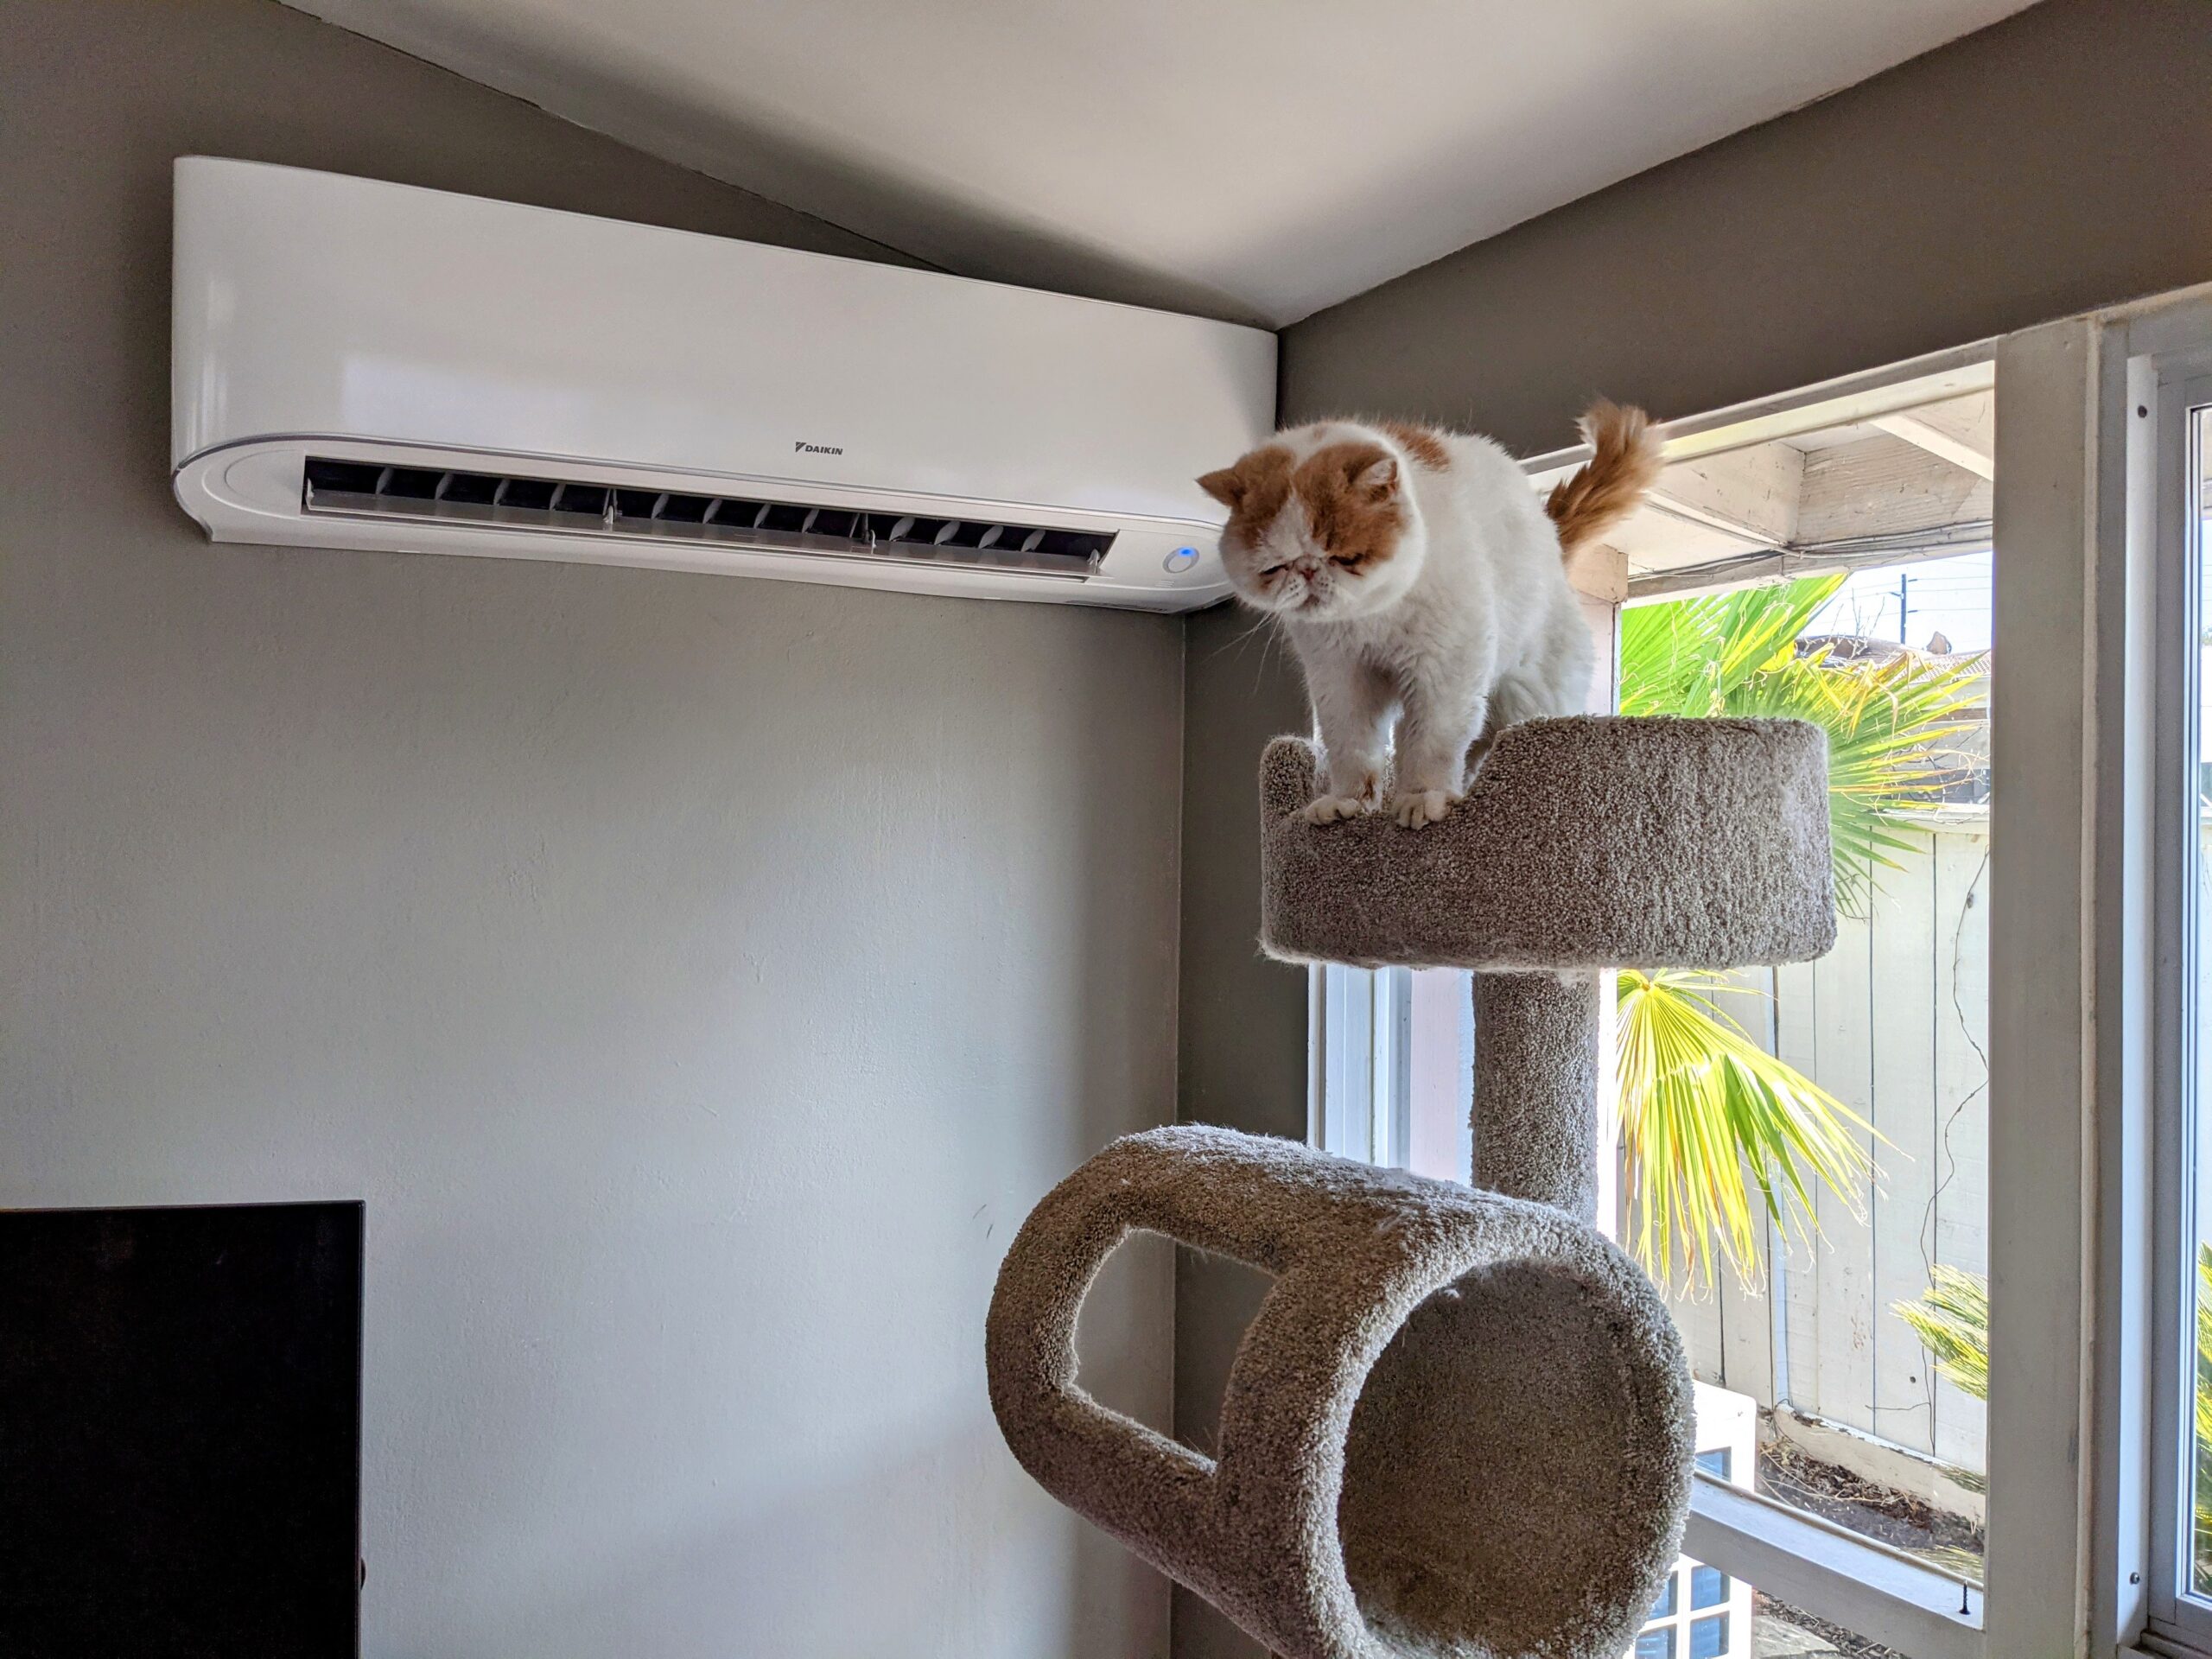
(1376, 480)
(1226, 486)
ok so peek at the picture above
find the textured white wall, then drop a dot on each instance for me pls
(698, 978)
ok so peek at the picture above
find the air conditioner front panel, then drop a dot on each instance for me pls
(311, 304)
(255, 492)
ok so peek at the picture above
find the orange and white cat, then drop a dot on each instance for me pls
(1420, 582)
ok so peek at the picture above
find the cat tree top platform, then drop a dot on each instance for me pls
(1595, 841)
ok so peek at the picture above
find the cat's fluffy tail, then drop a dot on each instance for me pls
(1616, 477)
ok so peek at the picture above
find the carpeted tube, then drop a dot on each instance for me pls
(1460, 1426)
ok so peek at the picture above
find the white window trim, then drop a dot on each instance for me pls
(1358, 1063)
(2045, 849)
(1883, 1594)
(2163, 368)
(2068, 1566)
(2171, 875)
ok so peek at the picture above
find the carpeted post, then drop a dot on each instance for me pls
(1535, 1106)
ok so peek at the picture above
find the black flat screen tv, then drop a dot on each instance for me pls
(180, 1432)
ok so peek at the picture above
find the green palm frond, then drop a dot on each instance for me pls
(1886, 727)
(1686, 657)
(1708, 1117)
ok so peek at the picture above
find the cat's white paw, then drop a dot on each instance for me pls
(1420, 807)
(1328, 809)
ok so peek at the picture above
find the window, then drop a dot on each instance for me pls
(1883, 607)
(1701, 1604)
(1389, 1052)
(2180, 445)
(2099, 977)
(1853, 1317)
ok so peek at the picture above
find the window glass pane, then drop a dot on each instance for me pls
(1708, 1587)
(1669, 1599)
(1855, 1325)
(1441, 1047)
(1744, 1624)
(1396, 1051)
(1841, 1342)
(2196, 1347)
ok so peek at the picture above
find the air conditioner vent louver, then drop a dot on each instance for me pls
(363, 489)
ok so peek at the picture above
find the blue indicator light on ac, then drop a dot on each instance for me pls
(1182, 559)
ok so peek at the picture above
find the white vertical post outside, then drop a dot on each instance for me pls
(1382, 1029)
(1317, 1058)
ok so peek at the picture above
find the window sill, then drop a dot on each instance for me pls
(1883, 1594)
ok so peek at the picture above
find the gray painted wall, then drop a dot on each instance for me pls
(699, 978)
(1243, 1021)
(2052, 162)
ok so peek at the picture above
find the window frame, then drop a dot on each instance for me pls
(2074, 933)
(2126, 1563)
(1358, 1062)
(2168, 389)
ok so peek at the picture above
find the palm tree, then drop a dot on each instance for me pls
(1708, 1116)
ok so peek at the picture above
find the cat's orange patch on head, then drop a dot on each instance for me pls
(1351, 493)
(1253, 490)
(1425, 446)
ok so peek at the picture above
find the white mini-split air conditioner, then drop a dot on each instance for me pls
(361, 365)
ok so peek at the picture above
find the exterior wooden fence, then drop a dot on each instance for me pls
(1893, 1023)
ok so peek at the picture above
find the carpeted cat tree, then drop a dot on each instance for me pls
(1460, 1426)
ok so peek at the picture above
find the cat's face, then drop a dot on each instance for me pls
(1321, 536)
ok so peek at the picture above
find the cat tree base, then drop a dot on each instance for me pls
(1460, 1424)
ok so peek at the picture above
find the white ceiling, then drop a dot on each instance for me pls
(1255, 159)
